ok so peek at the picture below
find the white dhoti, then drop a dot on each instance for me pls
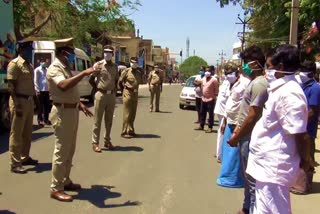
(272, 199)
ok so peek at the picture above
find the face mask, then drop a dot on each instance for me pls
(304, 77)
(107, 56)
(270, 75)
(43, 65)
(207, 74)
(134, 65)
(26, 55)
(246, 69)
(231, 77)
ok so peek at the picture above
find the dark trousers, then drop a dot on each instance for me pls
(198, 107)
(207, 107)
(44, 106)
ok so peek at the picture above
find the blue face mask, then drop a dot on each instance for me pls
(71, 58)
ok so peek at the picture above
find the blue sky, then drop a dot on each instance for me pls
(209, 27)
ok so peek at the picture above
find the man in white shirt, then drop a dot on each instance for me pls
(198, 90)
(42, 92)
(278, 143)
(219, 110)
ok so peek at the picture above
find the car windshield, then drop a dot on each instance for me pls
(190, 81)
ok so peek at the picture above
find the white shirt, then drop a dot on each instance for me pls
(220, 107)
(273, 156)
(235, 98)
(40, 81)
(198, 89)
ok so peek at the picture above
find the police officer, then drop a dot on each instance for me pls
(21, 88)
(64, 116)
(155, 80)
(105, 84)
(129, 81)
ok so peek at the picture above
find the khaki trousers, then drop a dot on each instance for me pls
(130, 103)
(155, 92)
(103, 104)
(65, 123)
(21, 131)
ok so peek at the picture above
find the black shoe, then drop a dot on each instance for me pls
(30, 161)
(41, 123)
(18, 170)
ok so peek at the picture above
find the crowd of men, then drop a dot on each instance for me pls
(57, 85)
(268, 111)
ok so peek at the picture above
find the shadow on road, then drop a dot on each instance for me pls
(315, 188)
(317, 151)
(41, 135)
(42, 167)
(125, 149)
(164, 112)
(98, 194)
(147, 136)
(6, 212)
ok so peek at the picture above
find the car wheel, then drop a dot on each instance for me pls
(5, 114)
(181, 106)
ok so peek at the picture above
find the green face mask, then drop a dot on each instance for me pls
(246, 69)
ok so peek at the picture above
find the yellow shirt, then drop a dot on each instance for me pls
(108, 76)
(57, 72)
(131, 78)
(155, 78)
(22, 72)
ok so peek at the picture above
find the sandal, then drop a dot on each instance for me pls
(109, 146)
(96, 148)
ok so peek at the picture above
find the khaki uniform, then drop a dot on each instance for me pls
(21, 126)
(105, 99)
(155, 82)
(130, 79)
(65, 123)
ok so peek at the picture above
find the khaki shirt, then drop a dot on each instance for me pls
(55, 74)
(108, 77)
(22, 72)
(130, 78)
(155, 78)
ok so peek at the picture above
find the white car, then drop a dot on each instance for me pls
(188, 94)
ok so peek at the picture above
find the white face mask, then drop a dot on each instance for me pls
(207, 74)
(134, 65)
(107, 56)
(231, 77)
(270, 74)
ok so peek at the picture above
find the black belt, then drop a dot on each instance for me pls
(27, 97)
(131, 89)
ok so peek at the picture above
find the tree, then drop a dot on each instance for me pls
(192, 65)
(72, 17)
(270, 20)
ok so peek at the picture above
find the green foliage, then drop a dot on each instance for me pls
(73, 18)
(191, 66)
(270, 19)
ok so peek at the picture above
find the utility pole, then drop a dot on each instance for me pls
(294, 23)
(217, 66)
(194, 52)
(244, 23)
(222, 55)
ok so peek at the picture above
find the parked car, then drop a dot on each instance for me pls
(188, 94)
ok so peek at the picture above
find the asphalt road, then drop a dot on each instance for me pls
(167, 169)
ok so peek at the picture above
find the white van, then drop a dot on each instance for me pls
(45, 51)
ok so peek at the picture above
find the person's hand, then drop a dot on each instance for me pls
(223, 127)
(305, 165)
(85, 110)
(233, 142)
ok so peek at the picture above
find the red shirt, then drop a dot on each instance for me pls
(210, 89)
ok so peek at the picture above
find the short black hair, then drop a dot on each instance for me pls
(309, 66)
(288, 56)
(253, 53)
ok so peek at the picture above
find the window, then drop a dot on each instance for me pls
(190, 82)
(81, 63)
(39, 57)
